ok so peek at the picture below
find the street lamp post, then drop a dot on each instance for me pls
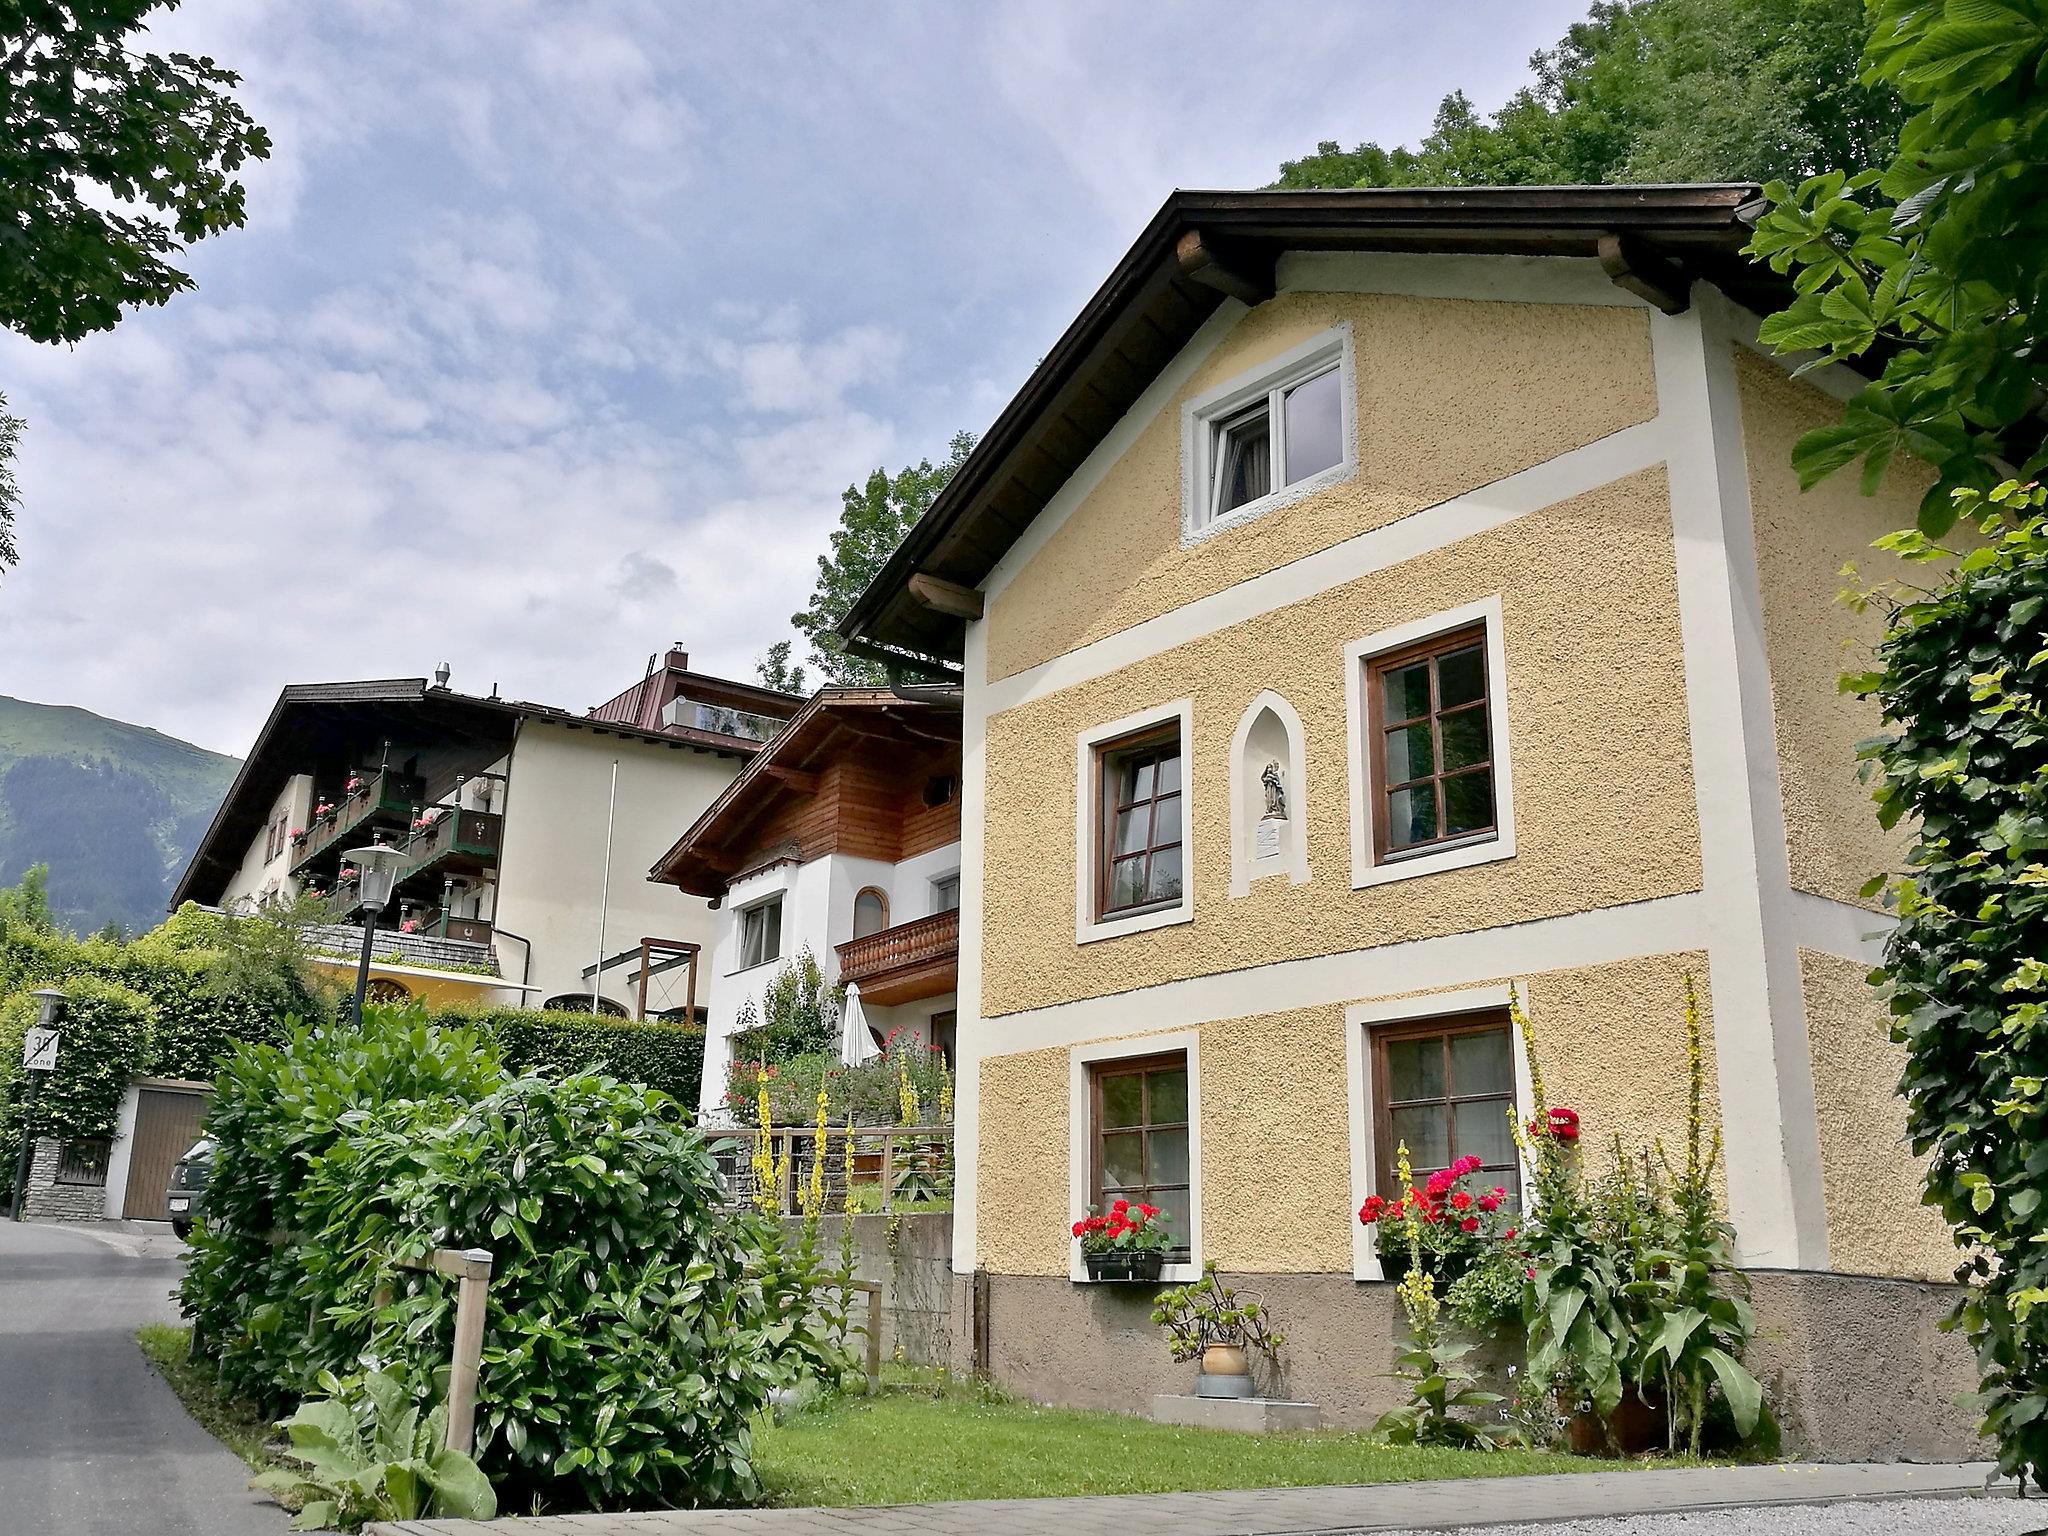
(377, 872)
(48, 1001)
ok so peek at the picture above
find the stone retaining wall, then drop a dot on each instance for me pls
(47, 1200)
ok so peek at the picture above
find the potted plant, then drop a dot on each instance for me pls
(1456, 1225)
(1207, 1322)
(1126, 1242)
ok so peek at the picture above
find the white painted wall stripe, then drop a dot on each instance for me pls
(1614, 457)
(1600, 937)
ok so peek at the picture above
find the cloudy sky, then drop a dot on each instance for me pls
(559, 327)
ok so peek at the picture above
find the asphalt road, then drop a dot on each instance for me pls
(92, 1443)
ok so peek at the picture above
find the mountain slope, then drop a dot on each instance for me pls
(114, 810)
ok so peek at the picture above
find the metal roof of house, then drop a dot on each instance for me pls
(1202, 247)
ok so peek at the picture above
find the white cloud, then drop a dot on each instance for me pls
(561, 329)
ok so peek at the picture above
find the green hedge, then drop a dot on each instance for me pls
(669, 1057)
(106, 1044)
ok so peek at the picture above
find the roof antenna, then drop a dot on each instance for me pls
(441, 674)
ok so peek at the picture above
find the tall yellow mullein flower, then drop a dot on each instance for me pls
(814, 1186)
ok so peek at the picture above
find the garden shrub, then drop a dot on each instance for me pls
(635, 1325)
(799, 1013)
(908, 1082)
(105, 1042)
(666, 1056)
(310, 1139)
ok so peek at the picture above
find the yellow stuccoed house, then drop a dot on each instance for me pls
(1377, 601)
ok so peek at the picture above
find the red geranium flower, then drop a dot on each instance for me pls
(1469, 1224)
(1461, 1201)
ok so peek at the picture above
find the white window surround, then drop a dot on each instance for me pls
(1081, 1125)
(1365, 870)
(1360, 1018)
(1295, 864)
(1268, 381)
(779, 896)
(1087, 816)
(937, 893)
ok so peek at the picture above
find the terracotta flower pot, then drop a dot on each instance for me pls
(1224, 1371)
(1637, 1425)
(1224, 1360)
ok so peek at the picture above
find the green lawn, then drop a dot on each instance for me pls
(918, 1443)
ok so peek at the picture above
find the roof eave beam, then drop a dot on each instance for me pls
(947, 597)
(1228, 269)
(1632, 267)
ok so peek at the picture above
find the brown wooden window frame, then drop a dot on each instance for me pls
(1182, 1212)
(1385, 1181)
(1109, 757)
(1375, 668)
(881, 896)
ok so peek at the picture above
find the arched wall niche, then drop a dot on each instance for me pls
(1267, 833)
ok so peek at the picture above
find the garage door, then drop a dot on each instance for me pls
(167, 1119)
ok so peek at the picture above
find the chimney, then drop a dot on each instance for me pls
(678, 658)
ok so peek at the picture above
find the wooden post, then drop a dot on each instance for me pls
(470, 1268)
(472, 1271)
(888, 1170)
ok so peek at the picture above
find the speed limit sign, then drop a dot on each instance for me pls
(39, 1051)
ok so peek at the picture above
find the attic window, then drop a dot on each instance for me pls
(1271, 436)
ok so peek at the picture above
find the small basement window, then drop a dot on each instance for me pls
(1286, 430)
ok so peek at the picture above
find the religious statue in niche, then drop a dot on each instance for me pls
(1276, 793)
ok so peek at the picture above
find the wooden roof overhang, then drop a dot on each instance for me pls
(331, 727)
(718, 845)
(1204, 247)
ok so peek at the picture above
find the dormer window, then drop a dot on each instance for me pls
(1271, 436)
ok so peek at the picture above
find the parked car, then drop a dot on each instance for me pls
(187, 1194)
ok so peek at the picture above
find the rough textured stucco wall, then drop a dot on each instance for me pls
(1832, 840)
(1452, 394)
(1276, 1150)
(1603, 795)
(1869, 1176)
(1020, 1197)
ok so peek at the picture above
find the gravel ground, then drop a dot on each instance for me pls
(1892, 1517)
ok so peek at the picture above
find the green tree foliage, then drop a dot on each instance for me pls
(1657, 90)
(10, 493)
(1938, 260)
(25, 905)
(85, 120)
(106, 1042)
(112, 161)
(774, 670)
(1936, 264)
(636, 1325)
(873, 518)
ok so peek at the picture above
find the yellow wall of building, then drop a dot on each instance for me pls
(1276, 1155)
(1452, 394)
(1832, 840)
(1603, 792)
(1869, 1177)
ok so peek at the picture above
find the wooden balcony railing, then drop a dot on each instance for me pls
(930, 943)
(893, 1169)
(457, 842)
(381, 799)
